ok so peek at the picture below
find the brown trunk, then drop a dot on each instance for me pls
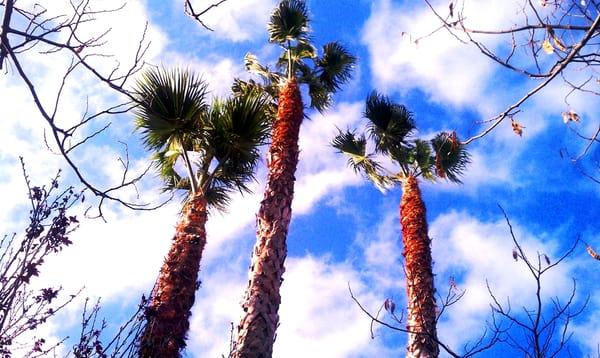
(421, 319)
(173, 296)
(256, 331)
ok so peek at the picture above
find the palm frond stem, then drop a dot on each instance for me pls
(188, 166)
(211, 176)
(289, 51)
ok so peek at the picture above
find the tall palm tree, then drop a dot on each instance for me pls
(298, 64)
(217, 146)
(390, 127)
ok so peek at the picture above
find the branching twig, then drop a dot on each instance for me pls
(189, 9)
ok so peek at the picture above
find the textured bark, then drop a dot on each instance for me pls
(256, 331)
(173, 296)
(421, 319)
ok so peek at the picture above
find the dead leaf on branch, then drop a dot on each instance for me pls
(452, 284)
(547, 259)
(389, 305)
(517, 127)
(557, 42)
(570, 116)
(592, 253)
(547, 47)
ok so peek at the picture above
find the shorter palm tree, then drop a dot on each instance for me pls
(390, 127)
(217, 146)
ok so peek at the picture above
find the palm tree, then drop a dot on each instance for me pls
(298, 64)
(390, 127)
(218, 147)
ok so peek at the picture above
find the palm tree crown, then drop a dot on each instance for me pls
(390, 127)
(175, 121)
(324, 74)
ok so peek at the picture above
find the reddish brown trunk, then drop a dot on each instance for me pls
(421, 319)
(173, 296)
(256, 331)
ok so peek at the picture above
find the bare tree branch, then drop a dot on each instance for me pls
(545, 334)
(189, 10)
(25, 31)
(547, 38)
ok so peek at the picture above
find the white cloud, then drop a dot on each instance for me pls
(382, 250)
(587, 333)
(236, 20)
(116, 258)
(447, 70)
(322, 171)
(24, 128)
(317, 314)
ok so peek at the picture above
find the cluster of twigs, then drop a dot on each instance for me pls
(539, 333)
(123, 343)
(22, 307)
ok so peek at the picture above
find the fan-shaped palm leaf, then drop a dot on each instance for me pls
(289, 22)
(170, 105)
(253, 66)
(335, 66)
(235, 129)
(242, 88)
(389, 124)
(422, 157)
(356, 148)
(451, 157)
(320, 97)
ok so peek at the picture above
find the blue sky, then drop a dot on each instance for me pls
(344, 230)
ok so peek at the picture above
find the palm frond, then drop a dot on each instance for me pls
(217, 198)
(422, 156)
(237, 128)
(451, 157)
(289, 22)
(165, 161)
(304, 50)
(389, 123)
(334, 67)
(355, 148)
(320, 97)
(242, 88)
(170, 104)
(402, 155)
(177, 183)
(253, 66)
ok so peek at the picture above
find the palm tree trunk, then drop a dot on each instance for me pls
(421, 319)
(256, 331)
(173, 296)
